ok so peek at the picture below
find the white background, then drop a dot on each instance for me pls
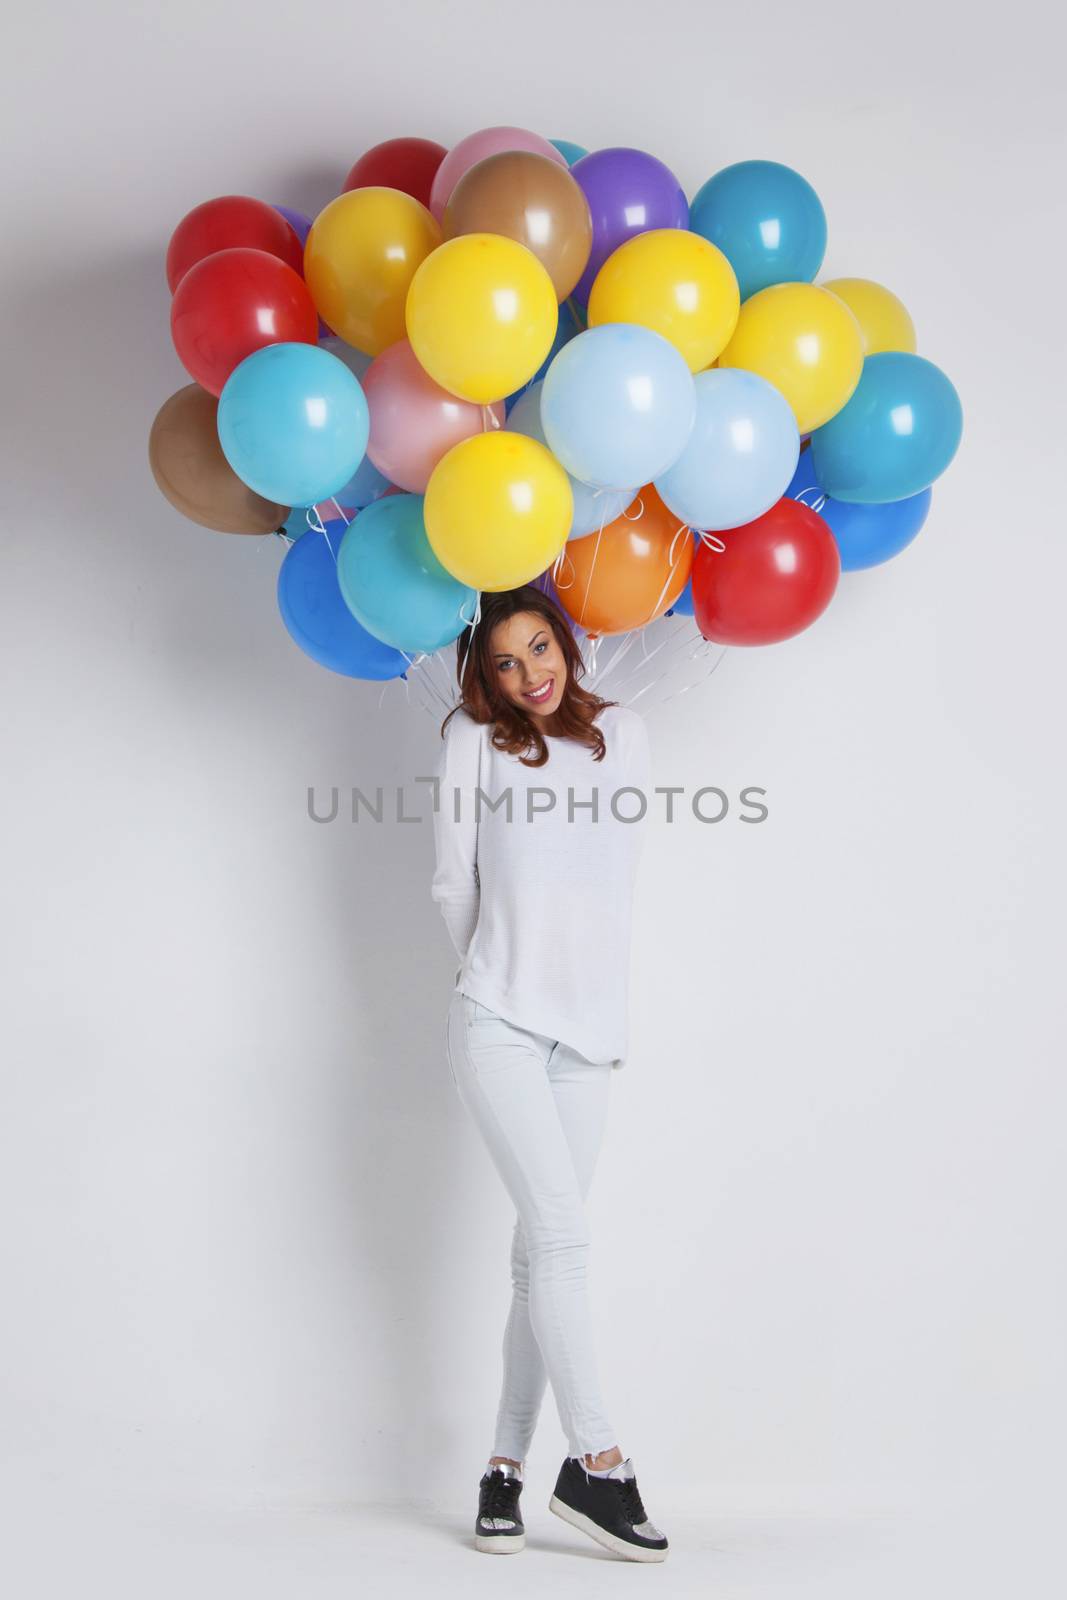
(254, 1255)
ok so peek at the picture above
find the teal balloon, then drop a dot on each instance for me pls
(293, 423)
(766, 219)
(569, 151)
(896, 435)
(394, 585)
(593, 508)
(314, 612)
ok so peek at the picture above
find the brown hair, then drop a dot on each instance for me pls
(482, 700)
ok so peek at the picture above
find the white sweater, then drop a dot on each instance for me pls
(539, 907)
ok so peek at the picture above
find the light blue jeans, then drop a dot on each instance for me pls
(541, 1109)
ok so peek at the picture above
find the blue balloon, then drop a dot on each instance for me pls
(741, 453)
(293, 423)
(766, 219)
(866, 535)
(567, 327)
(898, 432)
(593, 508)
(394, 585)
(569, 151)
(618, 405)
(314, 611)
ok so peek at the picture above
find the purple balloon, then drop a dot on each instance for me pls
(301, 226)
(628, 192)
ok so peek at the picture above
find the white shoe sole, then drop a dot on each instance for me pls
(500, 1544)
(610, 1541)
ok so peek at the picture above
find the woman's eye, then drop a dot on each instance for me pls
(542, 646)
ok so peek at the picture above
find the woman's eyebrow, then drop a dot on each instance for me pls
(506, 653)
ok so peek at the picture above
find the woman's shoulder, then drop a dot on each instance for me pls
(624, 718)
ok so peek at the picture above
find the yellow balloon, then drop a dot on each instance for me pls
(481, 316)
(498, 510)
(675, 283)
(884, 320)
(805, 341)
(359, 259)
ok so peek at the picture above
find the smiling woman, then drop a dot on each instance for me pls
(535, 873)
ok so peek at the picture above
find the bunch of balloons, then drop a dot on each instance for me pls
(516, 361)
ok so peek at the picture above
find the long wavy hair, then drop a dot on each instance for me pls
(481, 698)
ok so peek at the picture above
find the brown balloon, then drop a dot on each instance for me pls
(529, 198)
(188, 465)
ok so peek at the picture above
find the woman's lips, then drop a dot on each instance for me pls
(544, 693)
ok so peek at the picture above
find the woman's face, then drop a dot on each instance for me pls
(530, 666)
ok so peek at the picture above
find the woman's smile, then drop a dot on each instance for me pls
(543, 693)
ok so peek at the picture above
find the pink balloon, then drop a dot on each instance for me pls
(474, 148)
(413, 421)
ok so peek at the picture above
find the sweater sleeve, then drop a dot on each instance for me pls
(455, 884)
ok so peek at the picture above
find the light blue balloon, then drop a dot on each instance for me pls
(593, 508)
(866, 535)
(741, 454)
(766, 219)
(293, 423)
(394, 585)
(898, 432)
(617, 405)
(569, 151)
(313, 610)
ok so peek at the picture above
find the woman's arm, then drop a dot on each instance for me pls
(455, 881)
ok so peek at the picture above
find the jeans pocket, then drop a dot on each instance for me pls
(476, 1012)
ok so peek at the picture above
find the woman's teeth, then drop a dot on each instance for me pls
(542, 693)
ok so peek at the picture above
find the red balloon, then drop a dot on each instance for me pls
(775, 577)
(407, 164)
(234, 302)
(224, 223)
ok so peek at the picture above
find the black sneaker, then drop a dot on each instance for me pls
(609, 1510)
(499, 1530)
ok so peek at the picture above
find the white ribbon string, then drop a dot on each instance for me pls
(819, 501)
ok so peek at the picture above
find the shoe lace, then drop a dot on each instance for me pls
(630, 1500)
(500, 1495)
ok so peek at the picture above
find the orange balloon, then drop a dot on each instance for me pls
(629, 573)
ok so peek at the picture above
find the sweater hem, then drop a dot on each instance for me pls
(486, 995)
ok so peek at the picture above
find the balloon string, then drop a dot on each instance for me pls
(557, 567)
(318, 526)
(676, 693)
(712, 541)
(820, 498)
(681, 528)
(490, 421)
(471, 622)
(589, 581)
(686, 638)
(669, 642)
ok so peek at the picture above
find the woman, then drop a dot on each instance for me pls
(535, 864)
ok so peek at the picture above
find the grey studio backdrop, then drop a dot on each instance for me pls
(253, 1250)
